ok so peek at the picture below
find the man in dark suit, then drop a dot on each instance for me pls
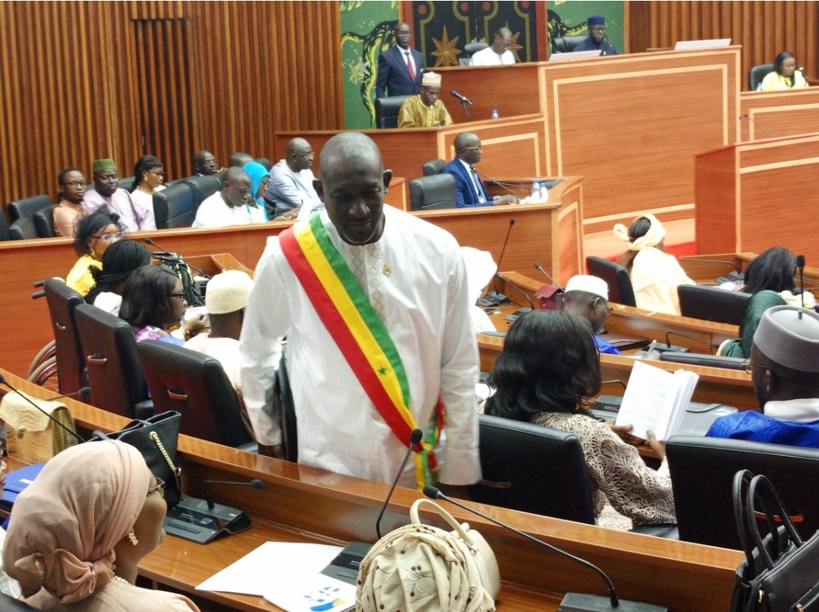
(400, 69)
(469, 190)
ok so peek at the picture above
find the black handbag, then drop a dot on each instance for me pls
(156, 438)
(781, 570)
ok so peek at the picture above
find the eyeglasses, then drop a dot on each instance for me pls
(76, 184)
(181, 296)
(108, 237)
(478, 148)
(156, 172)
(160, 486)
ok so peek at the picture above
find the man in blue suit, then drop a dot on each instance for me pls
(469, 190)
(400, 69)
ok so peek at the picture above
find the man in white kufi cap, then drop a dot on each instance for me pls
(588, 297)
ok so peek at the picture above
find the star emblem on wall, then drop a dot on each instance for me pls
(445, 52)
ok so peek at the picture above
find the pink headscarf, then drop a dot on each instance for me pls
(65, 524)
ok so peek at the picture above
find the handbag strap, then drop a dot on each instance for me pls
(740, 491)
(761, 493)
(459, 529)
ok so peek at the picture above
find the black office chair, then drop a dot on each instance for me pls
(713, 303)
(616, 277)
(62, 300)
(386, 111)
(434, 166)
(534, 469)
(471, 49)
(173, 206)
(432, 192)
(283, 394)
(195, 385)
(4, 227)
(203, 187)
(126, 183)
(757, 73)
(702, 471)
(114, 371)
(25, 208)
(22, 229)
(44, 222)
(566, 44)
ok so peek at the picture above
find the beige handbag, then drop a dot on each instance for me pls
(31, 436)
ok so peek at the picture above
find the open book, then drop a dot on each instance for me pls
(656, 400)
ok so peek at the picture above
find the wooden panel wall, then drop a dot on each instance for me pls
(82, 80)
(763, 28)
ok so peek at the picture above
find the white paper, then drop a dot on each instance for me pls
(317, 593)
(272, 566)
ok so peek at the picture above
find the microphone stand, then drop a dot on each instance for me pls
(466, 110)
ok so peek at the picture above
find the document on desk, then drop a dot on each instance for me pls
(288, 575)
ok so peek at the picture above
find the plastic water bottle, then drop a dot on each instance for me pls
(535, 191)
(495, 113)
(544, 192)
(759, 86)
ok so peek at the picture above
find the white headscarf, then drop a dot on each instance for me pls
(653, 237)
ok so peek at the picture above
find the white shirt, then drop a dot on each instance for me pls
(213, 212)
(144, 209)
(224, 350)
(416, 280)
(488, 57)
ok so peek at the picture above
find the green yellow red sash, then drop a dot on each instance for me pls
(359, 333)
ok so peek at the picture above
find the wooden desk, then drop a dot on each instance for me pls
(308, 504)
(773, 114)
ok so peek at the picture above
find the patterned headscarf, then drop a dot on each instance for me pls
(652, 237)
(65, 524)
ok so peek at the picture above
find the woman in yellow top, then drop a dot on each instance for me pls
(784, 75)
(95, 233)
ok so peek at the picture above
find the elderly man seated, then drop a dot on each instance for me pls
(588, 297)
(426, 109)
(785, 372)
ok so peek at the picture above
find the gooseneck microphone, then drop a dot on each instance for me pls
(503, 186)
(461, 97)
(748, 117)
(253, 484)
(523, 293)
(496, 296)
(434, 493)
(800, 264)
(669, 346)
(25, 397)
(546, 274)
(415, 438)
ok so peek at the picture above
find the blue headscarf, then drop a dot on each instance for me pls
(257, 172)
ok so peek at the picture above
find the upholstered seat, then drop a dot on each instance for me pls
(431, 192)
(173, 206)
(386, 111)
(203, 187)
(22, 229)
(25, 208)
(434, 166)
(62, 300)
(713, 303)
(44, 221)
(757, 73)
(616, 277)
(566, 44)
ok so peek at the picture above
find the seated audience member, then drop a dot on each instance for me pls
(239, 159)
(8, 585)
(107, 196)
(149, 177)
(597, 37)
(233, 205)
(80, 529)
(225, 301)
(654, 274)
(70, 207)
(588, 297)
(118, 261)
(153, 303)
(426, 109)
(785, 372)
(95, 233)
(480, 270)
(785, 75)
(498, 53)
(469, 190)
(204, 164)
(547, 374)
(769, 277)
(258, 184)
(400, 68)
(290, 190)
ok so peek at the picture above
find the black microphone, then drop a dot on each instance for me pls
(800, 264)
(751, 119)
(161, 250)
(253, 484)
(415, 438)
(461, 97)
(668, 345)
(25, 397)
(580, 601)
(546, 274)
(162, 253)
(520, 311)
(503, 186)
(496, 296)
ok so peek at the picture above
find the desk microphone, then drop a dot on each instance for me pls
(496, 296)
(762, 129)
(253, 484)
(461, 97)
(571, 601)
(546, 274)
(163, 254)
(521, 311)
(503, 186)
(414, 439)
(25, 397)
(669, 347)
(800, 264)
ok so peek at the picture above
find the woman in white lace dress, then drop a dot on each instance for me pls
(547, 374)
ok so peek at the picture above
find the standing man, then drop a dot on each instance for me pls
(425, 109)
(108, 196)
(597, 37)
(400, 69)
(233, 205)
(374, 304)
(290, 189)
(498, 53)
(469, 190)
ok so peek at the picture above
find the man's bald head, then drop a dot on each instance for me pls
(503, 40)
(348, 146)
(468, 147)
(299, 154)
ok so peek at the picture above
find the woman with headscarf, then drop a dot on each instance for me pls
(118, 261)
(78, 532)
(655, 275)
(785, 75)
(258, 183)
(95, 233)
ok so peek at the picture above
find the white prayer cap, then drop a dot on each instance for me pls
(789, 336)
(228, 292)
(589, 284)
(431, 79)
(480, 268)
